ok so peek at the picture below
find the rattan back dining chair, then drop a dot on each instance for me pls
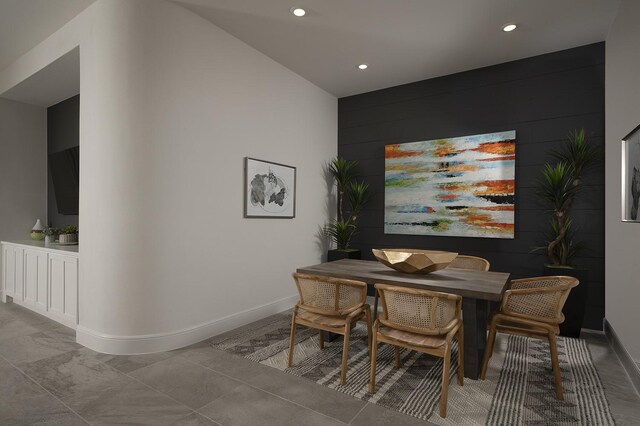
(532, 307)
(423, 321)
(333, 305)
(470, 262)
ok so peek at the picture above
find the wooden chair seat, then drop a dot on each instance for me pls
(532, 307)
(512, 327)
(312, 319)
(330, 304)
(402, 338)
(423, 321)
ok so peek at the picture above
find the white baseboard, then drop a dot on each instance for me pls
(134, 345)
(629, 364)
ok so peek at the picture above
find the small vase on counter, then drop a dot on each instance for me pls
(36, 231)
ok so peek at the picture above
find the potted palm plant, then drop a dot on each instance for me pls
(562, 182)
(354, 193)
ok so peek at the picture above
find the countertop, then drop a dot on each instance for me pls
(55, 247)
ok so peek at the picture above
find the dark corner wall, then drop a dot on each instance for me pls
(542, 98)
(63, 132)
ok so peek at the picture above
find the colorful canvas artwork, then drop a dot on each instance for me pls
(452, 187)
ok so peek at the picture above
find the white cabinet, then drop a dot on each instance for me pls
(42, 278)
(12, 273)
(63, 288)
(35, 279)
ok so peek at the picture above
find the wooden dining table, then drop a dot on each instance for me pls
(477, 289)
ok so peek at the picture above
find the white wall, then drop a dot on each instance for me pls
(622, 116)
(170, 106)
(23, 169)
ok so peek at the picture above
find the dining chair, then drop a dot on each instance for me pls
(532, 307)
(423, 321)
(330, 304)
(470, 262)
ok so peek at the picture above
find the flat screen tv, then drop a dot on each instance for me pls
(65, 173)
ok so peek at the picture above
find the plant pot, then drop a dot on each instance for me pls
(343, 254)
(49, 239)
(576, 302)
(68, 238)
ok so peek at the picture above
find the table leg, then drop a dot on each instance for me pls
(475, 314)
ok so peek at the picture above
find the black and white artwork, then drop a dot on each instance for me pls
(631, 176)
(270, 189)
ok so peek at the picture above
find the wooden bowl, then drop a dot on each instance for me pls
(413, 261)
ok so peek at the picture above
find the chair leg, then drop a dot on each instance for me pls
(369, 334)
(489, 349)
(374, 353)
(555, 365)
(445, 381)
(461, 356)
(321, 339)
(292, 338)
(345, 354)
(397, 356)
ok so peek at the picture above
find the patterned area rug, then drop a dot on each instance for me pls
(519, 389)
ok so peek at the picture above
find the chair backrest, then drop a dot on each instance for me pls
(330, 296)
(538, 298)
(418, 311)
(470, 262)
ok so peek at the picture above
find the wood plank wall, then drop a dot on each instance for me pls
(542, 98)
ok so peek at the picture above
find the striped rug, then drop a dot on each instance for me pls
(519, 389)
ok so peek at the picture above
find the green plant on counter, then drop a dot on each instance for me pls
(68, 229)
(50, 231)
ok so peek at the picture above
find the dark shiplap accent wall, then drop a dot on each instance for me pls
(63, 132)
(542, 98)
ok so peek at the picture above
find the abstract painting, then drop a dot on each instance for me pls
(269, 190)
(631, 176)
(462, 186)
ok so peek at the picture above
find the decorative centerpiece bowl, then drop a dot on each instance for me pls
(414, 261)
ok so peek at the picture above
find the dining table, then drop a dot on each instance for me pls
(477, 288)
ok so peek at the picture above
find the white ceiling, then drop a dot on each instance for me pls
(401, 40)
(25, 23)
(404, 40)
(54, 83)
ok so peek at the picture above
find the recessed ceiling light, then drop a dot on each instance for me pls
(509, 27)
(298, 11)
(363, 66)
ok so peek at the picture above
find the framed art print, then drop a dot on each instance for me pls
(631, 176)
(462, 186)
(269, 189)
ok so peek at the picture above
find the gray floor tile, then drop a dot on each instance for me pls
(248, 406)
(376, 415)
(185, 381)
(34, 347)
(12, 327)
(22, 402)
(195, 419)
(126, 401)
(65, 374)
(233, 365)
(309, 394)
(129, 363)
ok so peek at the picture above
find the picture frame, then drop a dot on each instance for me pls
(269, 189)
(454, 187)
(630, 186)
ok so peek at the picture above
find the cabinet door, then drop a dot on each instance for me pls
(63, 288)
(35, 279)
(12, 271)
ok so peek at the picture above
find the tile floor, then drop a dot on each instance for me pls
(47, 378)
